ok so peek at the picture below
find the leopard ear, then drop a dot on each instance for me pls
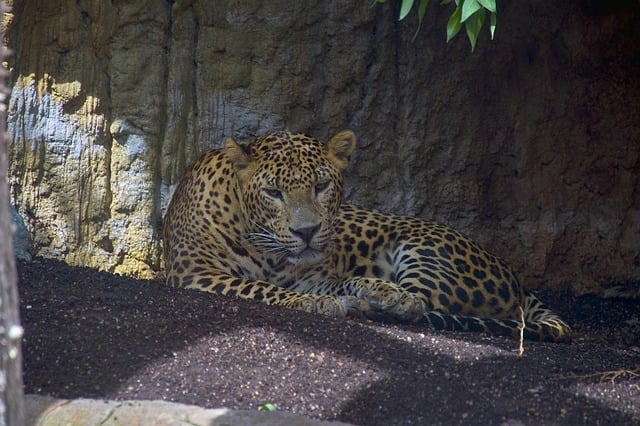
(239, 155)
(340, 148)
(240, 158)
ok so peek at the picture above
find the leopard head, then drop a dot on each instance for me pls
(291, 189)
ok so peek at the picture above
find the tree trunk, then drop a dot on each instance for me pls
(11, 404)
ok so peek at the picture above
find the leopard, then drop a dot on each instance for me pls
(265, 220)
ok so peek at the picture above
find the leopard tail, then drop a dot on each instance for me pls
(541, 323)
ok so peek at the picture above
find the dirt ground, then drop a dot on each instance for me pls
(92, 334)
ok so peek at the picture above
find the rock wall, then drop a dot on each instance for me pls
(530, 145)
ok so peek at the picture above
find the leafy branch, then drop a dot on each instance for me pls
(470, 13)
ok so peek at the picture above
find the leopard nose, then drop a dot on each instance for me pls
(306, 233)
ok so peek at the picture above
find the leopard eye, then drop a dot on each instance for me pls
(274, 193)
(320, 187)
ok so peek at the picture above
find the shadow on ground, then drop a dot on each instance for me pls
(95, 335)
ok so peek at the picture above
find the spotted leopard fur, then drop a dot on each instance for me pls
(265, 221)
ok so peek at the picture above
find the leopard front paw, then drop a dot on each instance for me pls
(326, 305)
(389, 299)
(409, 308)
(356, 307)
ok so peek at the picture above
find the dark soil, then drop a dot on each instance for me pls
(92, 334)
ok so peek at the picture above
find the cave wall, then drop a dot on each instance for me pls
(530, 144)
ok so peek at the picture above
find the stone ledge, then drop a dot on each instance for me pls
(48, 411)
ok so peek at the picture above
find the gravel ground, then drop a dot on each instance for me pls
(95, 335)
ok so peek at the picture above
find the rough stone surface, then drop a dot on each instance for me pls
(21, 237)
(47, 411)
(529, 145)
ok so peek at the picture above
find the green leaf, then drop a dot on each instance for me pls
(490, 5)
(470, 13)
(473, 26)
(492, 25)
(268, 407)
(469, 7)
(422, 9)
(405, 8)
(454, 25)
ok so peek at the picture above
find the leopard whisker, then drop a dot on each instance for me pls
(266, 241)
